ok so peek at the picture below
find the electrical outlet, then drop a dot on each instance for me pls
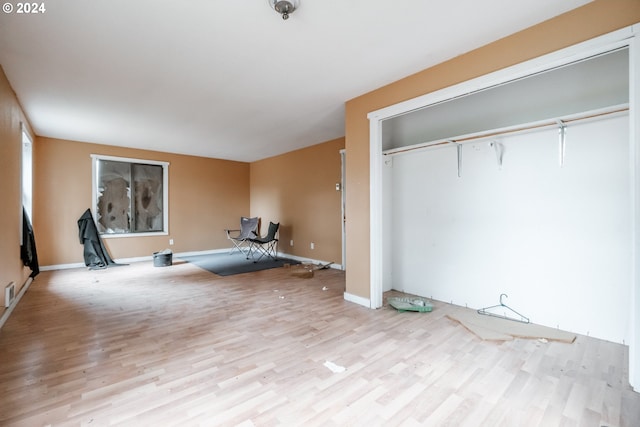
(313, 245)
(170, 241)
(291, 242)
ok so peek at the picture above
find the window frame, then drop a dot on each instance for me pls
(165, 193)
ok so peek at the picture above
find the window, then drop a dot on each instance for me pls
(130, 196)
(27, 172)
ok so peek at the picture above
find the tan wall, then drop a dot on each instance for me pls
(298, 189)
(589, 21)
(11, 117)
(205, 197)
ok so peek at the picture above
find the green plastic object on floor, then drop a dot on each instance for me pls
(410, 304)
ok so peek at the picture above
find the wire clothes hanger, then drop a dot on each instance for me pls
(520, 317)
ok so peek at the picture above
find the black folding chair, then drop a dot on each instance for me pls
(265, 246)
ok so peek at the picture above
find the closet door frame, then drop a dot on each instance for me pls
(626, 37)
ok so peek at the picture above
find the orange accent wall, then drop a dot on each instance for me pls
(11, 117)
(298, 190)
(205, 197)
(596, 18)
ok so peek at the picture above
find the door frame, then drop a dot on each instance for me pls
(343, 202)
(624, 37)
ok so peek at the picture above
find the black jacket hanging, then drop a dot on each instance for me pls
(28, 253)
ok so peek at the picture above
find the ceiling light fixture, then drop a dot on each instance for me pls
(284, 7)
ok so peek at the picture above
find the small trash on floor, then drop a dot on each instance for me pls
(324, 288)
(304, 271)
(410, 304)
(336, 369)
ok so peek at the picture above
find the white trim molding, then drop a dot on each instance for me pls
(357, 300)
(634, 141)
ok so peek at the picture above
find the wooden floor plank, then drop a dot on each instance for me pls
(178, 346)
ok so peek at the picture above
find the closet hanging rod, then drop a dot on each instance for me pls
(529, 127)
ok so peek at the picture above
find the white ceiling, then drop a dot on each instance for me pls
(231, 79)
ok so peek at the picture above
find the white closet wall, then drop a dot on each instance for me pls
(556, 240)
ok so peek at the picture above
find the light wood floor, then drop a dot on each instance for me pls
(178, 346)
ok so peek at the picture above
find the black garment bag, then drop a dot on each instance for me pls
(95, 254)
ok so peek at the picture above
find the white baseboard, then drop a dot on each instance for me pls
(130, 260)
(366, 302)
(207, 252)
(182, 254)
(61, 266)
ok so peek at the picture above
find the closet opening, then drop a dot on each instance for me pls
(522, 182)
